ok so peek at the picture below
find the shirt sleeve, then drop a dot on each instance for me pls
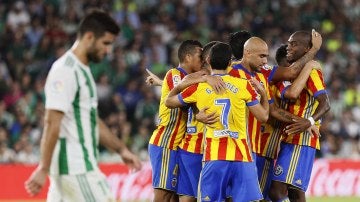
(282, 88)
(189, 95)
(172, 78)
(315, 84)
(268, 91)
(252, 97)
(271, 73)
(263, 78)
(60, 88)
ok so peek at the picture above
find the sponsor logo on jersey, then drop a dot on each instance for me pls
(191, 129)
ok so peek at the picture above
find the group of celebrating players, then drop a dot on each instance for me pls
(233, 128)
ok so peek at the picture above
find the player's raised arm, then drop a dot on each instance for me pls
(291, 72)
(152, 79)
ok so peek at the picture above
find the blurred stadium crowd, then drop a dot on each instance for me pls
(33, 33)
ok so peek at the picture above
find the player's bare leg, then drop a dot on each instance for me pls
(174, 198)
(161, 195)
(187, 199)
(296, 195)
(278, 191)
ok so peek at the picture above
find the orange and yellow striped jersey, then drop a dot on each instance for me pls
(172, 122)
(305, 107)
(271, 131)
(254, 126)
(193, 140)
(227, 138)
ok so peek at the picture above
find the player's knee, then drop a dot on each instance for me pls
(273, 194)
(163, 195)
(277, 191)
(296, 195)
(187, 199)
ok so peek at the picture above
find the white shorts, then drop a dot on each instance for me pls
(87, 187)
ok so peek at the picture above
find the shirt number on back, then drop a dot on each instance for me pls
(225, 104)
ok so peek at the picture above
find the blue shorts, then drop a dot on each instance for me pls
(190, 165)
(164, 168)
(265, 168)
(237, 178)
(294, 165)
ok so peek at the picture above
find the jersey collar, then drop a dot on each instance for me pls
(181, 70)
(240, 66)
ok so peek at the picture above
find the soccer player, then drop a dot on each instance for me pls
(237, 41)
(72, 130)
(297, 151)
(191, 147)
(264, 144)
(228, 162)
(169, 133)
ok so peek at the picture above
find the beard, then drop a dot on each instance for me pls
(93, 56)
(290, 59)
(254, 68)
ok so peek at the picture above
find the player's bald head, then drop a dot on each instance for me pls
(255, 44)
(303, 37)
(255, 54)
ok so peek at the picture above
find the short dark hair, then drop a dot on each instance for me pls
(187, 47)
(206, 49)
(280, 55)
(220, 56)
(237, 41)
(304, 36)
(98, 22)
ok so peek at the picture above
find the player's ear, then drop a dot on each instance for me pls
(89, 36)
(187, 57)
(207, 59)
(246, 52)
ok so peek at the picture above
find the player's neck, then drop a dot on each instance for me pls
(79, 51)
(185, 67)
(246, 65)
(217, 71)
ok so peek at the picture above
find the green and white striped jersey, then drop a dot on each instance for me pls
(70, 88)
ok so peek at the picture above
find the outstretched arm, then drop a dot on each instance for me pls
(152, 79)
(286, 117)
(172, 100)
(215, 82)
(291, 72)
(281, 114)
(110, 141)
